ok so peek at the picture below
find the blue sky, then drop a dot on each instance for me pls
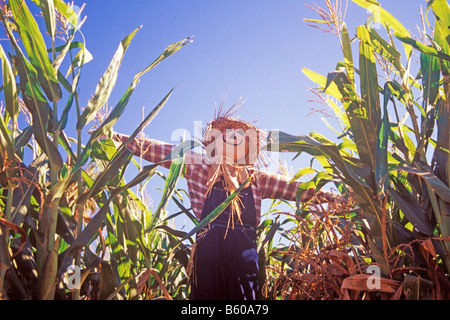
(250, 49)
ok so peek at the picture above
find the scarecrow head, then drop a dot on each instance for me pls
(228, 140)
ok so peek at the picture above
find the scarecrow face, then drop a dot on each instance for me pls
(232, 145)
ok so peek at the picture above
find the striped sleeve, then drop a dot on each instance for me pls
(276, 186)
(148, 149)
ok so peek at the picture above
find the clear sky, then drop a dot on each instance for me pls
(254, 49)
(242, 48)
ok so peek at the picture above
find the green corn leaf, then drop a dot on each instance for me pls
(61, 124)
(348, 55)
(120, 107)
(124, 264)
(60, 57)
(9, 87)
(328, 88)
(176, 233)
(363, 130)
(48, 11)
(430, 179)
(349, 172)
(445, 48)
(23, 194)
(171, 49)
(185, 211)
(106, 83)
(369, 78)
(85, 154)
(431, 71)
(122, 156)
(302, 172)
(411, 209)
(441, 11)
(6, 145)
(36, 49)
(64, 9)
(386, 50)
(12, 106)
(175, 171)
(422, 47)
(82, 57)
(385, 18)
(84, 238)
(381, 168)
(67, 12)
(129, 230)
(271, 233)
(35, 101)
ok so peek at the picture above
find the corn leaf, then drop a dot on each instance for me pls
(441, 11)
(120, 107)
(385, 18)
(431, 180)
(7, 147)
(106, 83)
(129, 230)
(175, 171)
(48, 11)
(36, 49)
(348, 55)
(431, 70)
(67, 12)
(328, 88)
(422, 47)
(35, 101)
(370, 101)
(381, 169)
(363, 130)
(9, 87)
(350, 173)
(411, 209)
(386, 50)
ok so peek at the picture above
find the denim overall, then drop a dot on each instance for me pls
(226, 259)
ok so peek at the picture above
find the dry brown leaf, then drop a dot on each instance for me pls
(359, 282)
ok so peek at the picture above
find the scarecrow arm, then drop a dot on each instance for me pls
(148, 149)
(155, 151)
(276, 186)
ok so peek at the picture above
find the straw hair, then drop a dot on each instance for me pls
(233, 174)
(226, 119)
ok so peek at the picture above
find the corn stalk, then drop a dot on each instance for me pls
(66, 213)
(381, 159)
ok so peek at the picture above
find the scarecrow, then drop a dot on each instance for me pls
(224, 258)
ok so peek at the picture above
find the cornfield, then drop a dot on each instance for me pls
(73, 225)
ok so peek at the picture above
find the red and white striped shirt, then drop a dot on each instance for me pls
(265, 184)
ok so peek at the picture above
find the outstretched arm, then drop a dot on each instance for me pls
(148, 149)
(277, 186)
(155, 151)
